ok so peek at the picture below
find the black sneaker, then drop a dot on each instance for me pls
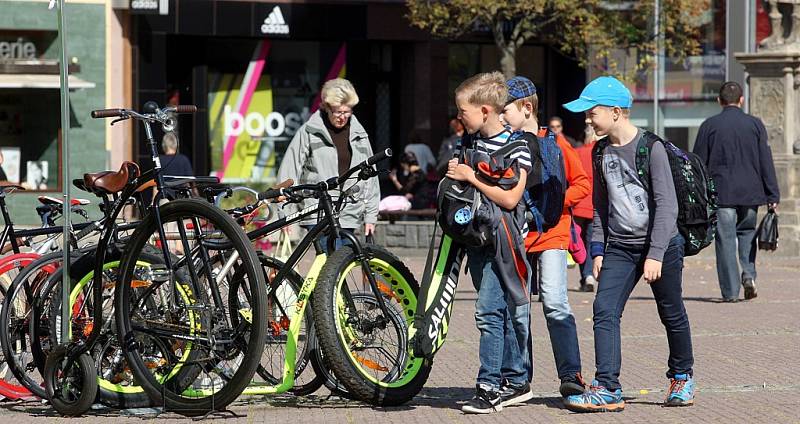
(749, 288)
(484, 402)
(512, 394)
(572, 385)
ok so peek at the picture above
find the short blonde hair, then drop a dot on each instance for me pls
(169, 141)
(532, 99)
(339, 92)
(488, 88)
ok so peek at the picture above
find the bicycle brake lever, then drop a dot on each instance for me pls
(120, 119)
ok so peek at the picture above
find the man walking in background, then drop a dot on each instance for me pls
(733, 145)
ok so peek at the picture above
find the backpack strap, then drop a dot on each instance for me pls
(643, 149)
(597, 158)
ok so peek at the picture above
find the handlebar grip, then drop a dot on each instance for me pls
(379, 157)
(270, 194)
(106, 113)
(185, 108)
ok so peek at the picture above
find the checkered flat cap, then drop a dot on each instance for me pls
(520, 88)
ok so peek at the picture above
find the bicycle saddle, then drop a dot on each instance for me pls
(9, 186)
(48, 200)
(107, 182)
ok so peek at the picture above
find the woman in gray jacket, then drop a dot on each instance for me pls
(328, 144)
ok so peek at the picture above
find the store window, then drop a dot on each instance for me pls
(30, 134)
(255, 111)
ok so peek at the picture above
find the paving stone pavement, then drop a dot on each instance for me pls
(746, 362)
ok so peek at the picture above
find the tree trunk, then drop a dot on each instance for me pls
(508, 61)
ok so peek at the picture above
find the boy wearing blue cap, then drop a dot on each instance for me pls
(634, 235)
(503, 378)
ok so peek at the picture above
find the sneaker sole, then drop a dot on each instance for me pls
(678, 405)
(469, 410)
(517, 400)
(617, 407)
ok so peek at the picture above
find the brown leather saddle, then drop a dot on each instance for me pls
(109, 182)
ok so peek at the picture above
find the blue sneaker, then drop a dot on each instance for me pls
(596, 399)
(681, 391)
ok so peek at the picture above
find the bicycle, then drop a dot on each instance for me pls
(150, 311)
(394, 298)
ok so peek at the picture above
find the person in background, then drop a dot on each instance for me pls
(556, 125)
(339, 142)
(449, 145)
(421, 151)
(172, 162)
(733, 146)
(584, 210)
(414, 186)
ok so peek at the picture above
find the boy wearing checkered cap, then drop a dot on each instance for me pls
(547, 252)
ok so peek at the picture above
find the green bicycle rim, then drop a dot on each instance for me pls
(408, 301)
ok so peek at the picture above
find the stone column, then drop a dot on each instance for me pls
(774, 80)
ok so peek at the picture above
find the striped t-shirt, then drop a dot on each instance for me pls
(494, 143)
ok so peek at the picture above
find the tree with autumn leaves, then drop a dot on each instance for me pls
(590, 31)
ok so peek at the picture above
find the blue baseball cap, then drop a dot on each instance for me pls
(519, 88)
(603, 91)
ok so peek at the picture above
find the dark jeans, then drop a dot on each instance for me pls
(622, 268)
(736, 231)
(586, 235)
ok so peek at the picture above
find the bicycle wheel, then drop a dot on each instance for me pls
(17, 320)
(366, 348)
(115, 381)
(209, 250)
(281, 310)
(11, 266)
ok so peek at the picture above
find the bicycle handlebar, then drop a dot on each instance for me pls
(107, 113)
(379, 157)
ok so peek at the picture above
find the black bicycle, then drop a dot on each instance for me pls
(179, 307)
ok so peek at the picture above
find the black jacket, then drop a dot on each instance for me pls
(733, 146)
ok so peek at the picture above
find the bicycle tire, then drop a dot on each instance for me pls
(172, 397)
(70, 401)
(115, 394)
(16, 323)
(399, 288)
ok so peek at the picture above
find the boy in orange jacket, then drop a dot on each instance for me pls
(548, 251)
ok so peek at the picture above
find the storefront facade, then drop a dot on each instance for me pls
(30, 117)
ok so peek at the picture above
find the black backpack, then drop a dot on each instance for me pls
(464, 213)
(694, 189)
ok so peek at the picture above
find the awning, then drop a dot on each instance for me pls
(51, 81)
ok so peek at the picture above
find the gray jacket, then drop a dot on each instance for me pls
(311, 157)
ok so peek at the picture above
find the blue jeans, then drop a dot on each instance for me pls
(586, 235)
(736, 230)
(339, 242)
(551, 268)
(499, 347)
(622, 268)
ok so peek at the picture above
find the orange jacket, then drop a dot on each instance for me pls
(579, 187)
(584, 208)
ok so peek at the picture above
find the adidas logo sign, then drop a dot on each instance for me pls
(274, 23)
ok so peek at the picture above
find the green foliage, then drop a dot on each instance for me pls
(588, 31)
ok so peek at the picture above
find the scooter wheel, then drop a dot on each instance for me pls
(72, 389)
